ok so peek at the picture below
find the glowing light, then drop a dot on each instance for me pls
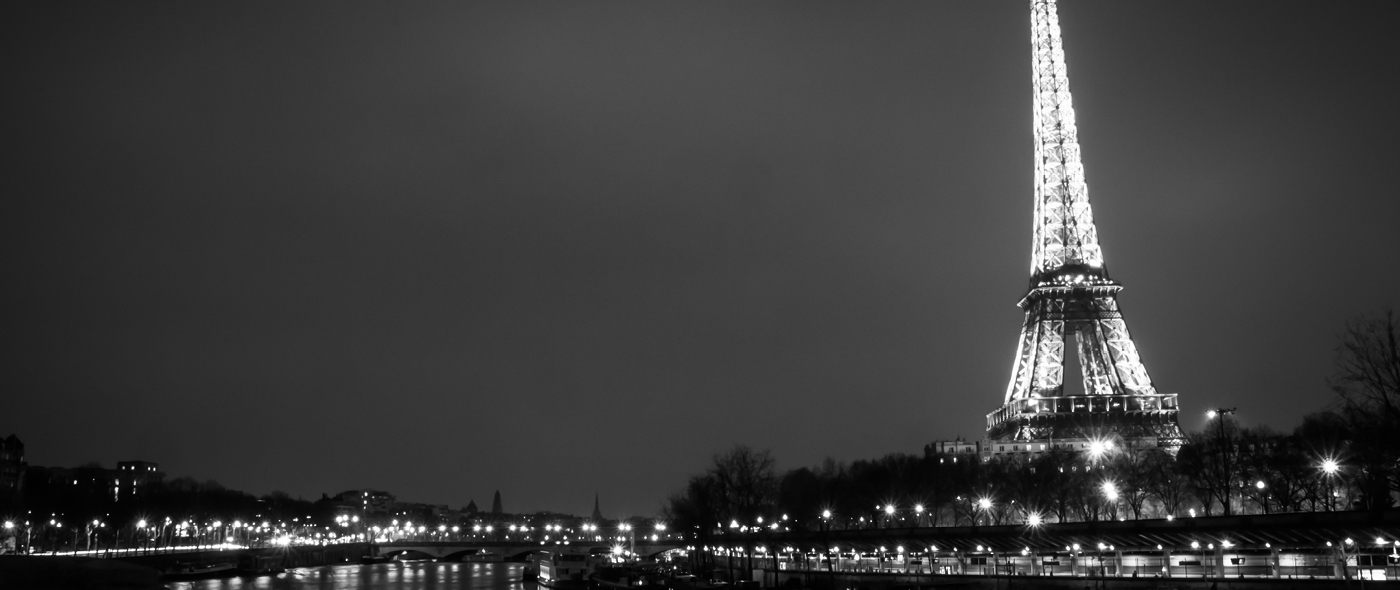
(1110, 491)
(919, 508)
(1330, 467)
(1210, 414)
(1033, 519)
(826, 514)
(1259, 484)
(985, 503)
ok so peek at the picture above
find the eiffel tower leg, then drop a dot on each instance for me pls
(1020, 385)
(1050, 350)
(1127, 366)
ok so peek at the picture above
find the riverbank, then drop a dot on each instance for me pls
(285, 557)
(76, 573)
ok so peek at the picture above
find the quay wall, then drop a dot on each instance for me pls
(876, 581)
(288, 557)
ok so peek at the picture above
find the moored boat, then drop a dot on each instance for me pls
(563, 571)
(200, 571)
(260, 565)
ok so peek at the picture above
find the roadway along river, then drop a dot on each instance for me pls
(410, 575)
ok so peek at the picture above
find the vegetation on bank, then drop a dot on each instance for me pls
(1346, 457)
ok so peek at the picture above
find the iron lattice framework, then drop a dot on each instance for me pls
(1071, 292)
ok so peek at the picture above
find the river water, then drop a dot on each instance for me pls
(409, 575)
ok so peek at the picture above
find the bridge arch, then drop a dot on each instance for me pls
(407, 553)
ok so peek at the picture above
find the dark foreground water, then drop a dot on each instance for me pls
(411, 575)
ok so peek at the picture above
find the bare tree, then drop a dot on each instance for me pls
(1167, 484)
(747, 482)
(1133, 467)
(1367, 380)
(1209, 462)
(1368, 366)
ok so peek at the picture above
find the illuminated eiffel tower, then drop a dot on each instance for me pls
(1072, 294)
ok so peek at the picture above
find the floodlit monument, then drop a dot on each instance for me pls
(1072, 299)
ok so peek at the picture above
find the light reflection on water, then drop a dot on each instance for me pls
(410, 575)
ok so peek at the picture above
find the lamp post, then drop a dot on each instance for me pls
(826, 543)
(1224, 451)
(1329, 472)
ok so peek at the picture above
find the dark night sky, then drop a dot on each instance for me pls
(560, 248)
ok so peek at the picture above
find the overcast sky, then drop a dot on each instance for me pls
(564, 248)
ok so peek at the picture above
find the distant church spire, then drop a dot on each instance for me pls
(597, 514)
(496, 503)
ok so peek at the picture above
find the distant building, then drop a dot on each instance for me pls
(953, 447)
(369, 502)
(84, 484)
(133, 479)
(597, 514)
(471, 508)
(12, 465)
(496, 503)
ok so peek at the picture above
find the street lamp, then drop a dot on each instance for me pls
(1223, 451)
(1330, 468)
(985, 505)
(826, 540)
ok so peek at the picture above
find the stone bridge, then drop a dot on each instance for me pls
(500, 551)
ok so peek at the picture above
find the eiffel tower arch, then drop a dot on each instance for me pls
(1072, 301)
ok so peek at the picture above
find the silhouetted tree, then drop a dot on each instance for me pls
(1367, 380)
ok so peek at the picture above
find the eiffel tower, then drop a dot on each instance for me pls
(1072, 295)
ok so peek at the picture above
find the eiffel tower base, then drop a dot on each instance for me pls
(1141, 420)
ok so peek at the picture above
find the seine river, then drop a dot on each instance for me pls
(411, 575)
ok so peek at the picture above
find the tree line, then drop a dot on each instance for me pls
(1344, 458)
